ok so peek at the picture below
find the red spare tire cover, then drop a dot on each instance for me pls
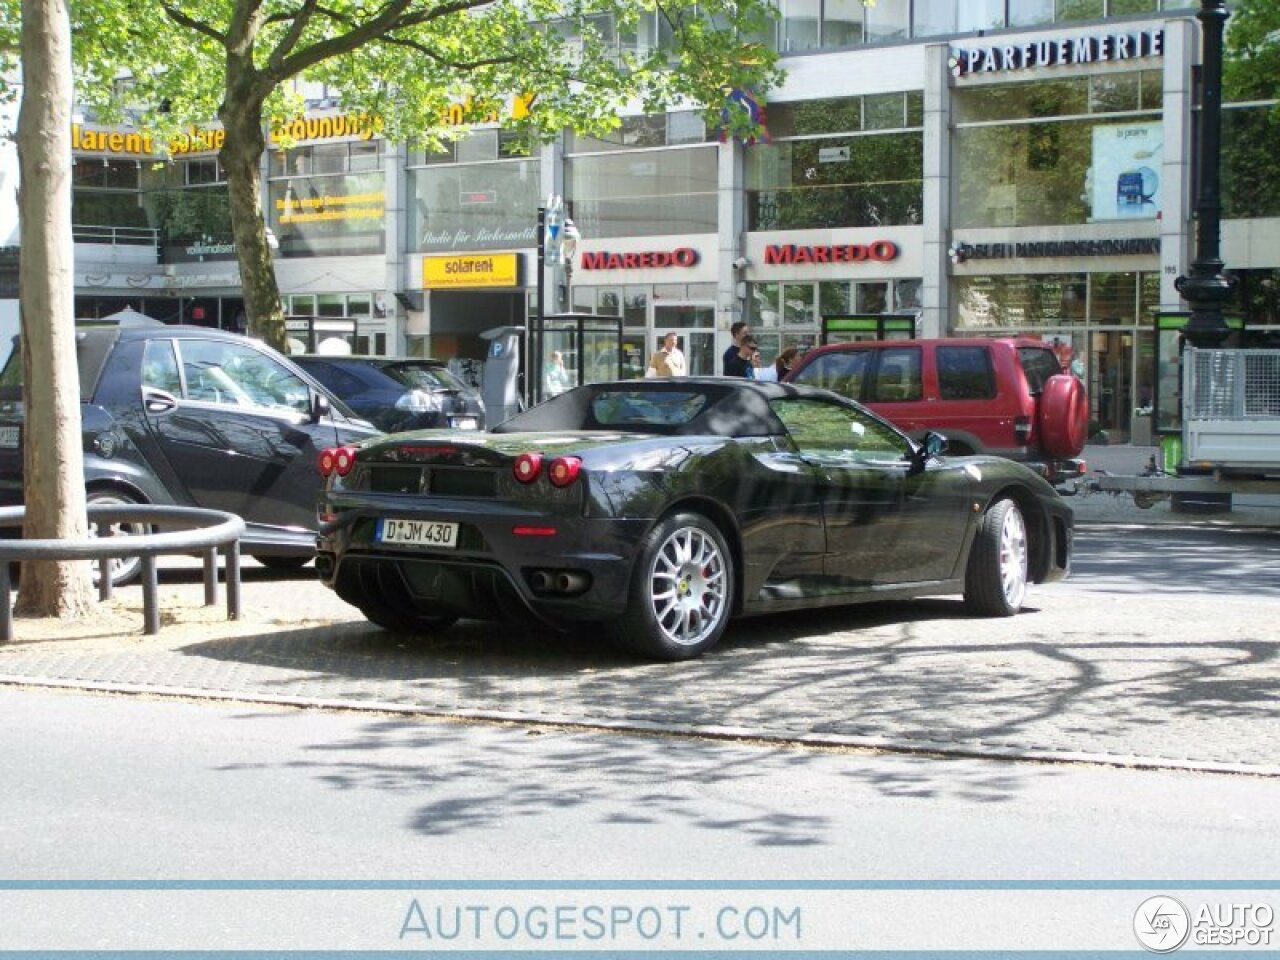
(1063, 416)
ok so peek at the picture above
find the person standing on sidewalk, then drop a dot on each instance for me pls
(735, 364)
(668, 361)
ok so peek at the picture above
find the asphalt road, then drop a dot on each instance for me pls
(114, 788)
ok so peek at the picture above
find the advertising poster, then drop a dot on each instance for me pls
(1126, 171)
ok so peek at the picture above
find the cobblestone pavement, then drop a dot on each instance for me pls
(1160, 651)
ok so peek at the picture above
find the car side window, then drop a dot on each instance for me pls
(898, 376)
(237, 375)
(965, 373)
(826, 429)
(841, 371)
(160, 367)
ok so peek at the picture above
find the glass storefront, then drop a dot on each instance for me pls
(851, 162)
(478, 193)
(658, 175)
(1038, 154)
(327, 199)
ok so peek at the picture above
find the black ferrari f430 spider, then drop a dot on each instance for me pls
(662, 509)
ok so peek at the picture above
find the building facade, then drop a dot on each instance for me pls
(983, 167)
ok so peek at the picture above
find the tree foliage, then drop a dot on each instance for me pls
(1251, 68)
(405, 62)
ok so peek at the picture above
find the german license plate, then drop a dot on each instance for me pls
(9, 437)
(463, 423)
(421, 533)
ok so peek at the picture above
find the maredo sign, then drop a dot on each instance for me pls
(878, 251)
(605, 260)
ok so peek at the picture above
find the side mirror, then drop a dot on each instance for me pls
(931, 445)
(320, 407)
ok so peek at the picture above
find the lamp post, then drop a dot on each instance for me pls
(1205, 286)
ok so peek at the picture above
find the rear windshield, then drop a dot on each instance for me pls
(93, 346)
(632, 408)
(1039, 364)
(423, 376)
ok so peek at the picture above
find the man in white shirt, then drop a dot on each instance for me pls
(669, 360)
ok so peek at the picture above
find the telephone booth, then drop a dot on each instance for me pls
(852, 327)
(570, 349)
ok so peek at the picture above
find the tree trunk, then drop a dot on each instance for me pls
(241, 155)
(53, 460)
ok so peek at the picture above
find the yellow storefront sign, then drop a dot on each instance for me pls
(470, 270)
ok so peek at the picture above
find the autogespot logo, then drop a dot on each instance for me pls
(1161, 924)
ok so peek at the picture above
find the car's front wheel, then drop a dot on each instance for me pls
(995, 583)
(681, 592)
(123, 569)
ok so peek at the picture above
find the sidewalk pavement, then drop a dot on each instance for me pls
(1124, 665)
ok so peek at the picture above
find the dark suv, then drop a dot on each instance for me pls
(1008, 396)
(194, 417)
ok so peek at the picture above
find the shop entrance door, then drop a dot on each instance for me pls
(695, 326)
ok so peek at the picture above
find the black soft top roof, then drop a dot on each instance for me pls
(734, 407)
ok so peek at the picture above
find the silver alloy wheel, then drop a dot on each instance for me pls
(123, 569)
(688, 586)
(1013, 557)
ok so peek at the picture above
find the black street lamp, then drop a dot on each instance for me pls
(1205, 286)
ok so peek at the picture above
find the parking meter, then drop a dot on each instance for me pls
(500, 380)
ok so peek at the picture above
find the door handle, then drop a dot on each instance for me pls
(158, 401)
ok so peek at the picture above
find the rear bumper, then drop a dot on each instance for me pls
(581, 572)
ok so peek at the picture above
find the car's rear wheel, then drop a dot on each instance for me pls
(996, 580)
(282, 563)
(123, 570)
(681, 592)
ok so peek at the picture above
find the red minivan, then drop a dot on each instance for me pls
(1007, 396)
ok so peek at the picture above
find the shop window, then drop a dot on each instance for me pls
(872, 298)
(834, 298)
(974, 15)
(765, 299)
(799, 25)
(842, 23)
(1113, 297)
(888, 20)
(483, 206)
(856, 181)
(965, 373)
(799, 303)
(1020, 301)
(202, 171)
(934, 18)
(1030, 13)
(645, 194)
(1114, 92)
(1068, 10)
(907, 294)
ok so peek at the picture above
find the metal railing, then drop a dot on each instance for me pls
(116, 236)
(200, 531)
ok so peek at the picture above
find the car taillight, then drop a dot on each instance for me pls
(527, 467)
(564, 470)
(337, 460)
(1022, 430)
